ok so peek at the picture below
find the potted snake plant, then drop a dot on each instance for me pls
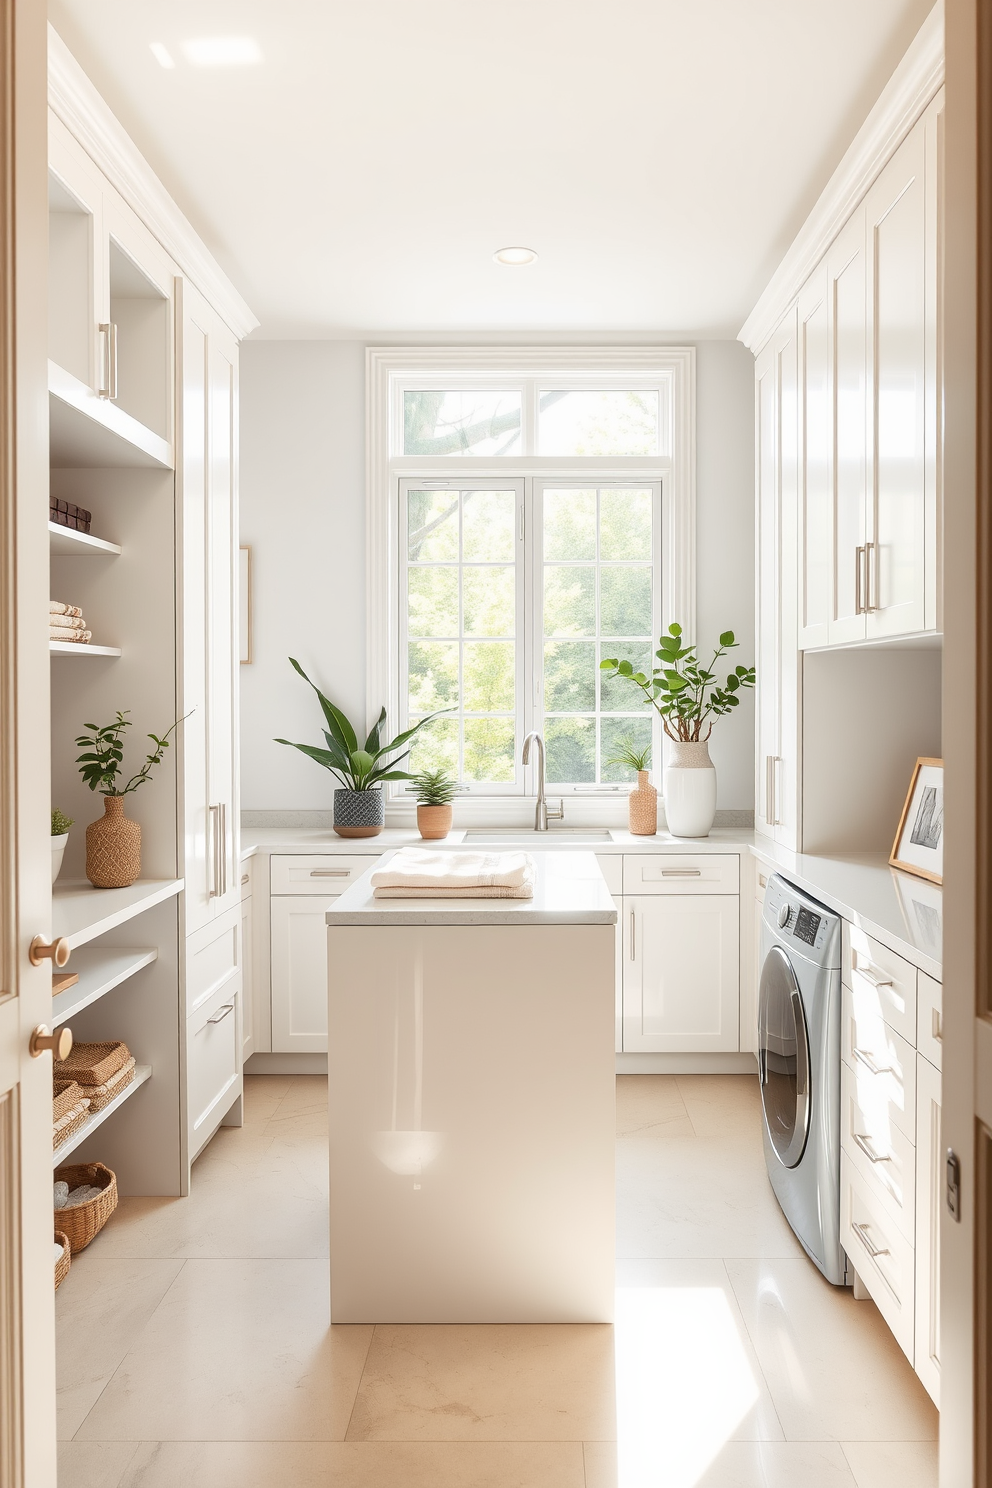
(359, 806)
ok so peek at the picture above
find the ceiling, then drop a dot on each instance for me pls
(659, 155)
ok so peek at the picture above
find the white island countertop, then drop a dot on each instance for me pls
(569, 889)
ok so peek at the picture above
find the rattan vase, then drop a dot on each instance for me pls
(642, 807)
(433, 822)
(113, 847)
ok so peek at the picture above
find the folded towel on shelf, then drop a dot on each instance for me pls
(60, 1194)
(474, 891)
(56, 607)
(67, 622)
(412, 867)
(62, 633)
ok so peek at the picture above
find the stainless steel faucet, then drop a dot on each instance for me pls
(542, 815)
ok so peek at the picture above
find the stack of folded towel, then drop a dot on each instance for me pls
(416, 874)
(63, 1199)
(66, 623)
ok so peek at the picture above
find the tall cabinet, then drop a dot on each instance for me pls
(144, 332)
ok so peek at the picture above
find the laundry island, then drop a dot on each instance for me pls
(472, 1103)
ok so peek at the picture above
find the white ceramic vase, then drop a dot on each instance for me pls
(58, 848)
(690, 790)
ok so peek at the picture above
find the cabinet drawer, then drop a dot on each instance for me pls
(247, 877)
(929, 1015)
(681, 873)
(213, 958)
(880, 1151)
(889, 978)
(884, 1063)
(881, 1255)
(761, 877)
(311, 873)
(611, 867)
(213, 1063)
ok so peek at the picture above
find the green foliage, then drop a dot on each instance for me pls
(100, 764)
(686, 694)
(435, 788)
(627, 753)
(60, 822)
(358, 768)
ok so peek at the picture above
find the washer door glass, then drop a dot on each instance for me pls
(783, 1058)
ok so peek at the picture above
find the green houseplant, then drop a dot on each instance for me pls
(113, 843)
(642, 803)
(60, 836)
(359, 808)
(434, 790)
(689, 697)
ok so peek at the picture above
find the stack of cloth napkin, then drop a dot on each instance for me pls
(416, 874)
(66, 623)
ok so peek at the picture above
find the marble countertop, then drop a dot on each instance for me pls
(323, 840)
(569, 889)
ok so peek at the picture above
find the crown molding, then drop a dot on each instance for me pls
(74, 99)
(912, 86)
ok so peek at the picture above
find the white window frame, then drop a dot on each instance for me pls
(389, 369)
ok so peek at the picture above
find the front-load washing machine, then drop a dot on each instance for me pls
(799, 1018)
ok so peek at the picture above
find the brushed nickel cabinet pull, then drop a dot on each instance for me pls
(633, 924)
(222, 1013)
(859, 607)
(861, 1230)
(330, 872)
(869, 1151)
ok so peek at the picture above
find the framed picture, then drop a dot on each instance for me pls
(244, 605)
(919, 844)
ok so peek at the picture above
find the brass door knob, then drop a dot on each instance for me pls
(59, 1042)
(40, 950)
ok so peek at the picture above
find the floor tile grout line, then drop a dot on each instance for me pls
(361, 1380)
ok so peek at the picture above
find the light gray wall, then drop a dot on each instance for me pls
(303, 512)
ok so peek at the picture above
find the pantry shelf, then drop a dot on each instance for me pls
(80, 913)
(142, 1072)
(82, 648)
(100, 969)
(65, 542)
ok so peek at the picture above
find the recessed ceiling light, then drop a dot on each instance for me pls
(161, 54)
(515, 256)
(222, 51)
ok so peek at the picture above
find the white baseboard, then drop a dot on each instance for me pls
(286, 1064)
(683, 1064)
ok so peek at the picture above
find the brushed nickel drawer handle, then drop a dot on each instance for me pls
(872, 977)
(222, 1013)
(633, 925)
(681, 873)
(936, 1031)
(869, 1063)
(330, 872)
(869, 1151)
(861, 1230)
(245, 877)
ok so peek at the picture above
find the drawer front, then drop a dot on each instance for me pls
(611, 867)
(324, 874)
(761, 877)
(889, 978)
(213, 1063)
(881, 1255)
(247, 876)
(884, 1063)
(681, 873)
(929, 1013)
(882, 1153)
(213, 958)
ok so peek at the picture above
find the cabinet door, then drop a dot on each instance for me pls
(847, 290)
(619, 973)
(897, 324)
(681, 973)
(929, 1200)
(299, 974)
(815, 463)
(207, 473)
(78, 289)
(247, 979)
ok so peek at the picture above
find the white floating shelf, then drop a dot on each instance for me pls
(100, 969)
(88, 431)
(80, 912)
(81, 648)
(66, 542)
(142, 1072)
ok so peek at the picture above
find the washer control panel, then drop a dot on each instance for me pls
(798, 919)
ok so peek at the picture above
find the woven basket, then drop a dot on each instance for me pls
(65, 1095)
(92, 1064)
(65, 1259)
(83, 1222)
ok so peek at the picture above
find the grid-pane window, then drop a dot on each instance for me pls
(598, 599)
(461, 613)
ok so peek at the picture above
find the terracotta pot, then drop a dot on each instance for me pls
(642, 806)
(690, 790)
(113, 847)
(433, 822)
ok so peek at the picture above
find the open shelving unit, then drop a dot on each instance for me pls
(99, 971)
(65, 542)
(87, 430)
(81, 648)
(142, 1073)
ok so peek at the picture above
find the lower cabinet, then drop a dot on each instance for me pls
(681, 973)
(929, 1204)
(213, 1026)
(247, 971)
(299, 974)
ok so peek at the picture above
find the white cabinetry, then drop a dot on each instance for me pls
(929, 1206)
(248, 961)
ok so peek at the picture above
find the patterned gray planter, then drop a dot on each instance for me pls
(359, 813)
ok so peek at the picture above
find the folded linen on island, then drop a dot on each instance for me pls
(416, 874)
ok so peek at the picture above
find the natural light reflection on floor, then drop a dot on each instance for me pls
(684, 1383)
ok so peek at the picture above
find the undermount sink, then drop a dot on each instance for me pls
(527, 835)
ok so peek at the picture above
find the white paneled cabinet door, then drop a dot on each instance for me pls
(299, 974)
(815, 463)
(929, 1203)
(847, 291)
(208, 430)
(897, 341)
(681, 973)
(768, 710)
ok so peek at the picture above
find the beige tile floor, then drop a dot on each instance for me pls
(732, 1364)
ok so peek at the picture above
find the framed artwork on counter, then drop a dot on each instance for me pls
(919, 844)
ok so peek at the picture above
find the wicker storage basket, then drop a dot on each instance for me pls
(92, 1064)
(83, 1222)
(65, 1095)
(64, 1260)
(102, 1095)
